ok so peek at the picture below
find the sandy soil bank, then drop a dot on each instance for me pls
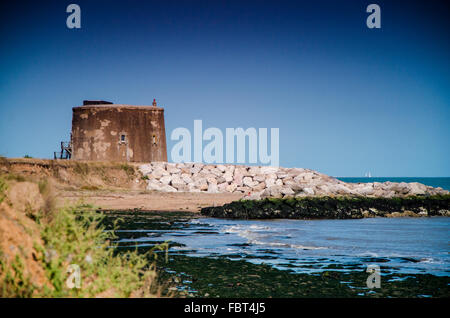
(109, 185)
(149, 201)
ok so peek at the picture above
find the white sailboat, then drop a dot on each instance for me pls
(368, 175)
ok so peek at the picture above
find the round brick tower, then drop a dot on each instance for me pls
(105, 131)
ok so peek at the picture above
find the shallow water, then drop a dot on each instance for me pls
(398, 245)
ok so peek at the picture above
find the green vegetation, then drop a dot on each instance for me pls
(27, 156)
(3, 188)
(14, 177)
(128, 169)
(89, 188)
(76, 235)
(222, 277)
(81, 168)
(14, 283)
(4, 161)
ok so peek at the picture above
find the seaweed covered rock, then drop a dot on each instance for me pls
(343, 207)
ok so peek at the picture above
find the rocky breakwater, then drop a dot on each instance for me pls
(256, 183)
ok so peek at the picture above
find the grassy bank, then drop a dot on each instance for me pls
(42, 249)
(76, 175)
(333, 207)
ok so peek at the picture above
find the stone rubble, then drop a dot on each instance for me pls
(257, 183)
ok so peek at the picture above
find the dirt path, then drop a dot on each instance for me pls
(151, 201)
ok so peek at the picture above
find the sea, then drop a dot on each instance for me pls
(398, 245)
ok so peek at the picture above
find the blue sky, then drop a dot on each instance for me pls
(347, 99)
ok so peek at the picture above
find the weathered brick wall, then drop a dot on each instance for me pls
(118, 133)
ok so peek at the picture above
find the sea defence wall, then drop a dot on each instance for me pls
(255, 183)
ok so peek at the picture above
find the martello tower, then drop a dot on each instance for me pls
(115, 132)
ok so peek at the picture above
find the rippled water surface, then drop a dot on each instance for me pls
(399, 245)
